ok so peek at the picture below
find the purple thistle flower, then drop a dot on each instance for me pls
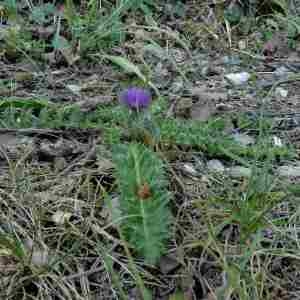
(136, 98)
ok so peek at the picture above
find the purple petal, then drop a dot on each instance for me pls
(136, 98)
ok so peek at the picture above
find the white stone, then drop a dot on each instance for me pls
(238, 78)
(239, 171)
(215, 165)
(60, 217)
(289, 171)
(189, 169)
(281, 93)
(277, 141)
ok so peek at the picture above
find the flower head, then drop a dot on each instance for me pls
(136, 98)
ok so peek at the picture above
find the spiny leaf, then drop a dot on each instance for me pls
(143, 200)
(126, 65)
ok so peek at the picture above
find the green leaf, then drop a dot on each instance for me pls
(10, 245)
(233, 14)
(177, 296)
(40, 14)
(145, 217)
(26, 104)
(126, 65)
(59, 42)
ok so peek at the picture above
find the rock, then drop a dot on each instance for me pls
(242, 44)
(215, 165)
(60, 217)
(243, 139)
(265, 83)
(231, 60)
(75, 89)
(190, 170)
(282, 72)
(115, 209)
(280, 93)
(289, 171)
(277, 141)
(239, 171)
(40, 258)
(238, 78)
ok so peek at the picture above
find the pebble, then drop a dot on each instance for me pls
(238, 78)
(289, 171)
(190, 170)
(281, 93)
(40, 258)
(60, 217)
(242, 45)
(239, 171)
(215, 165)
(281, 72)
(277, 141)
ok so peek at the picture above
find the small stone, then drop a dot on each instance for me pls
(231, 60)
(190, 170)
(238, 78)
(215, 165)
(115, 209)
(281, 71)
(242, 44)
(75, 89)
(277, 141)
(243, 139)
(289, 171)
(60, 217)
(40, 258)
(264, 83)
(281, 93)
(239, 171)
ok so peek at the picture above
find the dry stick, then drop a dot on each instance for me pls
(84, 273)
(81, 160)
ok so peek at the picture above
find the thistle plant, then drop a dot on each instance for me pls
(143, 187)
(141, 124)
(136, 99)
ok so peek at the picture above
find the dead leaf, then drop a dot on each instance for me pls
(8, 265)
(69, 56)
(168, 263)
